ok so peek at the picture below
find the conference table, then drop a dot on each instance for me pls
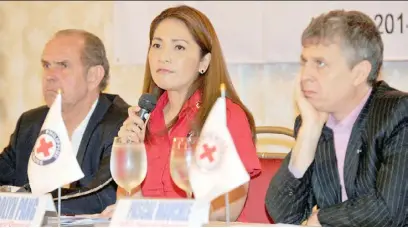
(53, 222)
(240, 224)
(211, 224)
(93, 221)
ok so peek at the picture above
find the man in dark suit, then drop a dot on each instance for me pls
(74, 61)
(349, 163)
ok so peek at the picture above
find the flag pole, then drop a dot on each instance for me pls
(59, 192)
(227, 206)
(59, 206)
(227, 209)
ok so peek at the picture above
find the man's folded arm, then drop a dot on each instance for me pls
(289, 198)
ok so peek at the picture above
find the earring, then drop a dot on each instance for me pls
(202, 71)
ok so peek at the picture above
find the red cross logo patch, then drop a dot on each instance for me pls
(47, 148)
(209, 151)
(44, 147)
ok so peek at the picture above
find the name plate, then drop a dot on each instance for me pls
(23, 209)
(159, 212)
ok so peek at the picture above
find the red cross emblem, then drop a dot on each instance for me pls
(44, 147)
(47, 148)
(208, 152)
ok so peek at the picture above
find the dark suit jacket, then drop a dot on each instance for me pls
(96, 144)
(375, 171)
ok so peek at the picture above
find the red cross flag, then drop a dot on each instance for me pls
(216, 168)
(52, 163)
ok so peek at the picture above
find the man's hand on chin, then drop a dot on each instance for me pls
(313, 220)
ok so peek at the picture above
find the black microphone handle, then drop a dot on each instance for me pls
(144, 114)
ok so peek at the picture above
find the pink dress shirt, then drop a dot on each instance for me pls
(341, 135)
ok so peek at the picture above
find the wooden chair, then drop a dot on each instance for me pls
(255, 211)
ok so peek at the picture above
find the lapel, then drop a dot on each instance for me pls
(328, 176)
(354, 149)
(38, 125)
(101, 108)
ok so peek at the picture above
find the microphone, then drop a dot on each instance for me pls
(147, 102)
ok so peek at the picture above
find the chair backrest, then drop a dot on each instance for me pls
(255, 210)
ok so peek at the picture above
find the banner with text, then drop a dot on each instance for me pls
(256, 32)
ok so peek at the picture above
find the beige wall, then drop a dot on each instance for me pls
(24, 29)
(26, 26)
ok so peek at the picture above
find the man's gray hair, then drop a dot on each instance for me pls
(357, 34)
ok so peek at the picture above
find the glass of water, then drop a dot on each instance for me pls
(128, 164)
(180, 160)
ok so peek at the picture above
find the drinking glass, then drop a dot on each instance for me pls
(180, 160)
(128, 163)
